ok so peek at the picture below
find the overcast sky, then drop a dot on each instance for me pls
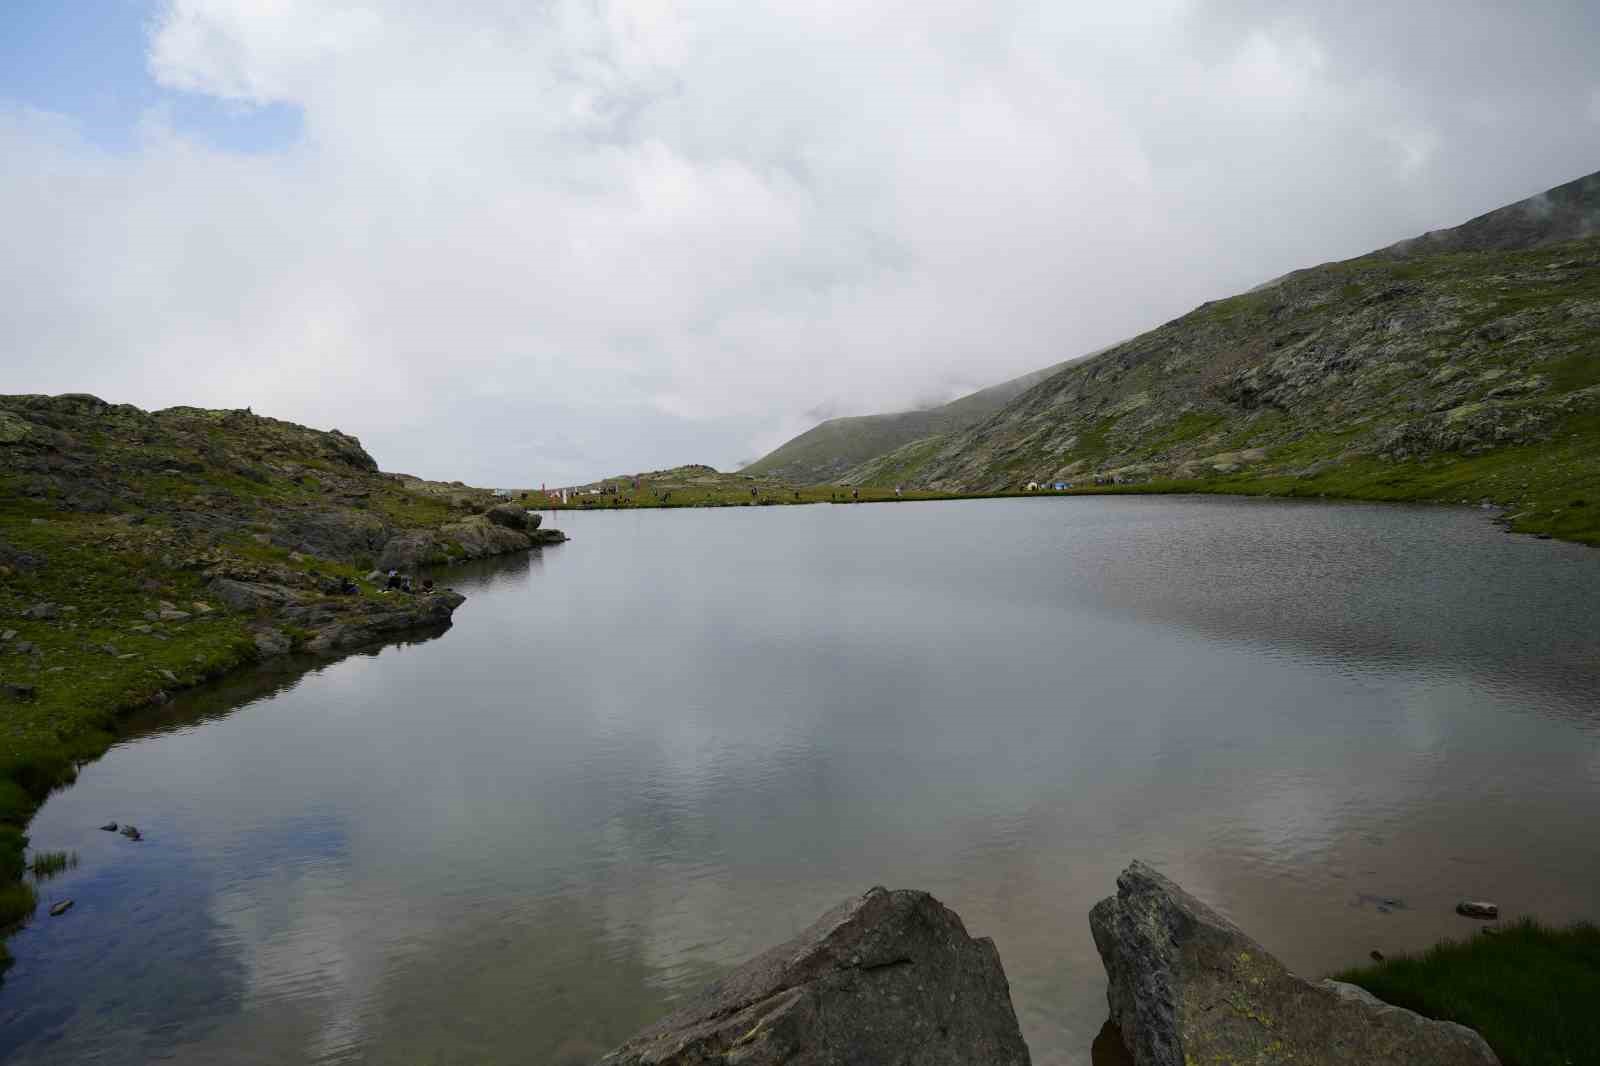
(519, 242)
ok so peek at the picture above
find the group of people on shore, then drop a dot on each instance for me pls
(398, 582)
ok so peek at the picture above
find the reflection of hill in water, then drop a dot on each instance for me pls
(482, 574)
(221, 697)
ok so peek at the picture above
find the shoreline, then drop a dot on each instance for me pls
(225, 633)
(1584, 528)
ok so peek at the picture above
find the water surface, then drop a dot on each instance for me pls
(642, 756)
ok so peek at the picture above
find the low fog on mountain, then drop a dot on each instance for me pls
(589, 238)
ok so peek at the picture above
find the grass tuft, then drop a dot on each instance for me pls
(46, 864)
(1530, 989)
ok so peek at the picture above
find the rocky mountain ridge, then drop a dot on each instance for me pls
(832, 448)
(1461, 364)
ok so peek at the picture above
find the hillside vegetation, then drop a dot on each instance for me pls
(143, 552)
(833, 448)
(1461, 365)
(697, 485)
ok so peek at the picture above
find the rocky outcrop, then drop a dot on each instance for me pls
(324, 622)
(222, 477)
(1188, 988)
(408, 551)
(373, 623)
(513, 517)
(478, 537)
(249, 596)
(475, 537)
(886, 977)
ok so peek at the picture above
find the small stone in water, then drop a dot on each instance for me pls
(110, 827)
(58, 909)
(1377, 956)
(1477, 908)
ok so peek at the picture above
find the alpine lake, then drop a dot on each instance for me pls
(639, 758)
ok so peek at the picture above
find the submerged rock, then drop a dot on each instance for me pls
(1477, 908)
(1186, 986)
(58, 909)
(886, 977)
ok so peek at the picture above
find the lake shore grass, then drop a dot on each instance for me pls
(1528, 988)
(1550, 489)
(68, 678)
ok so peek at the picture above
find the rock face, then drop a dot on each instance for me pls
(1188, 988)
(886, 977)
(371, 625)
(475, 537)
(1450, 345)
(248, 595)
(513, 517)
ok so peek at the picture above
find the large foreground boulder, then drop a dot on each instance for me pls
(887, 977)
(1188, 988)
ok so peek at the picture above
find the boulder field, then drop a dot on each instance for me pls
(894, 978)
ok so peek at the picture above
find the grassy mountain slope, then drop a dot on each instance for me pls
(1464, 364)
(830, 449)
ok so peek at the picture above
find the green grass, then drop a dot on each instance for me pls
(105, 525)
(722, 490)
(1576, 371)
(17, 902)
(46, 864)
(1187, 427)
(1550, 488)
(95, 571)
(1529, 989)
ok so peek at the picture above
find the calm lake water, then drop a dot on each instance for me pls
(645, 755)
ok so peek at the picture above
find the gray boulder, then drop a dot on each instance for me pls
(246, 595)
(1185, 986)
(479, 538)
(886, 977)
(408, 551)
(509, 515)
(271, 643)
(372, 624)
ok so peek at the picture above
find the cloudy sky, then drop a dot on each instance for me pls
(522, 242)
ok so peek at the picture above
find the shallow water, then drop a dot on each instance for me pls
(648, 753)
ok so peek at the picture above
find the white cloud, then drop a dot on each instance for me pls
(541, 242)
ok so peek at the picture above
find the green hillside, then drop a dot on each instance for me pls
(146, 552)
(1461, 365)
(832, 448)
